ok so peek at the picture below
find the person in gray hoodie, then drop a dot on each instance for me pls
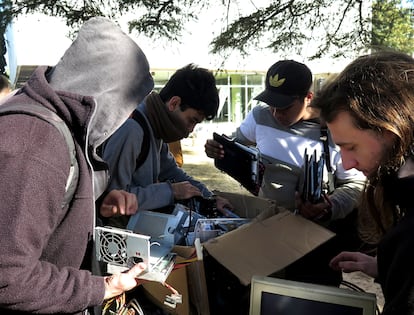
(93, 88)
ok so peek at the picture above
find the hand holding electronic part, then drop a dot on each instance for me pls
(214, 149)
(314, 211)
(117, 284)
(184, 190)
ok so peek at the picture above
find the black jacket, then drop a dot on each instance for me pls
(396, 250)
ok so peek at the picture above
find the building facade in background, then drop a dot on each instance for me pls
(40, 40)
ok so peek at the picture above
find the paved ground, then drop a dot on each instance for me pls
(198, 165)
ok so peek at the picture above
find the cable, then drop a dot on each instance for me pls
(354, 287)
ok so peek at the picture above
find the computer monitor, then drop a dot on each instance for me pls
(273, 296)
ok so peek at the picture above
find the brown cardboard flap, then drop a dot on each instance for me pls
(185, 252)
(196, 281)
(265, 247)
(197, 288)
(156, 292)
(247, 206)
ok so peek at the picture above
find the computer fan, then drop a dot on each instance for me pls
(121, 247)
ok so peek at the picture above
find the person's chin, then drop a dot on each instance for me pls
(369, 173)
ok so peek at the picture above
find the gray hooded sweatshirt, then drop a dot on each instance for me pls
(93, 88)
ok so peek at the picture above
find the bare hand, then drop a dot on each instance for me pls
(222, 204)
(185, 190)
(122, 282)
(355, 261)
(119, 202)
(214, 149)
(311, 211)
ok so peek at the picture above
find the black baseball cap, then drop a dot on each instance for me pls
(286, 80)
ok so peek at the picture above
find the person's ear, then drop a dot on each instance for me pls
(174, 103)
(308, 98)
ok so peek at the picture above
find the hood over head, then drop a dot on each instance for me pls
(105, 63)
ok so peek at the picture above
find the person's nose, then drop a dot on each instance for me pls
(348, 160)
(191, 127)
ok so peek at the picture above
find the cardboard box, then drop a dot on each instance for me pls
(266, 246)
(247, 206)
(157, 292)
(196, 283)
(274, 239)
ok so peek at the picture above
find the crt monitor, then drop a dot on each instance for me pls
(274, 296)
